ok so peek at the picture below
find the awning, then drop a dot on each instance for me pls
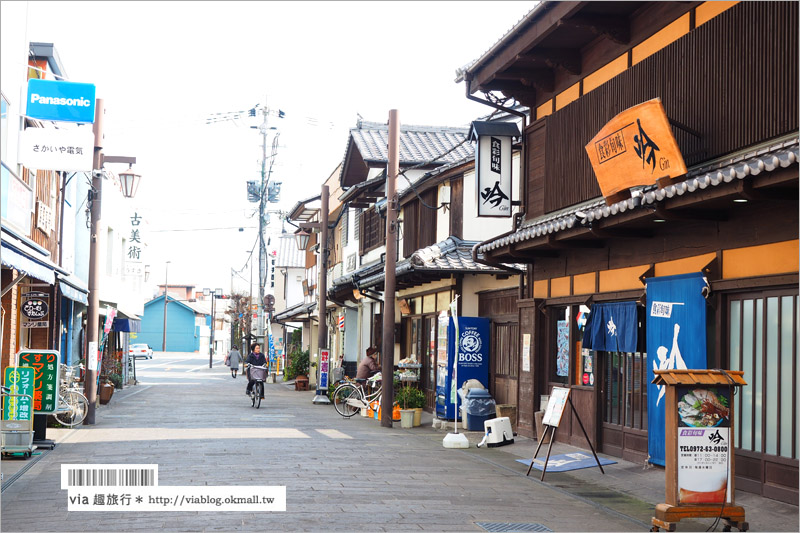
(294, 311)
(127, 324)
(611, 327)
(73, 288)
(13, 258)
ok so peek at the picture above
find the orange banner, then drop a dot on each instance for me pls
(634, 148)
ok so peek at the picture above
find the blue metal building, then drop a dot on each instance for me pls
(183, 330)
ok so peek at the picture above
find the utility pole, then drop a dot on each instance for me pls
(262, 250)
(387, 351)
(213, 327)
(93, 314)
(166, 295)
(321, 396)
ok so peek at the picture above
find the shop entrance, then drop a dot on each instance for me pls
(624, 399)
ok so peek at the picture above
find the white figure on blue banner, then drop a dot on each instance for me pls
(675, 361)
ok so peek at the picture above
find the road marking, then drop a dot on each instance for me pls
(202, 366)
(333, 434)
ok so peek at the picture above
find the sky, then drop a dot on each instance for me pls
(164, 68)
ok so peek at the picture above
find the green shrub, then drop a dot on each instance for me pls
(298, 364)
(409, 397)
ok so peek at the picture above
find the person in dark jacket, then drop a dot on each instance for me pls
(256, 358)
(368, 366)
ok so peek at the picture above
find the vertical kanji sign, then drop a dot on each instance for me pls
(20, 380)
(45, 365)
(323, 369)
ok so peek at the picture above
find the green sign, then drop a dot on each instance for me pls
(45, 365)
(20, 380)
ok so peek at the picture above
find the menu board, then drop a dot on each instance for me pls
(555, 407)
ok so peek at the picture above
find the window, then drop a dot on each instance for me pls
(371, 234)
(560, 344)
(763, 338)
(344, 227)
(419, 223)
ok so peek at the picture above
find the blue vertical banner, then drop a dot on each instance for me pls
(676, 339)
(471, 348)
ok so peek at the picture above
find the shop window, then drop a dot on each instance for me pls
(560, 343)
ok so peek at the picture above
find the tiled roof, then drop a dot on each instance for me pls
(780, 155)
(288, 254)
(291, 312)
(418, 144)
(450, 255)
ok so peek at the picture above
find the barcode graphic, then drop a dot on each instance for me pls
(109, 476)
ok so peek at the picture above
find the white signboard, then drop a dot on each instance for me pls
(91, 356)
(493, 162)
(526, 352)
(51, 149)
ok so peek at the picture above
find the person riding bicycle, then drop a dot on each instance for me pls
(256, 358)
(368, 366)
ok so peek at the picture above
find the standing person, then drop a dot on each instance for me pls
(234, 360)
(368, 366)
(256, 358)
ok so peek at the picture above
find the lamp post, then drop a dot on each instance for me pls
(166, 296)
(214, 295)
(130, 182)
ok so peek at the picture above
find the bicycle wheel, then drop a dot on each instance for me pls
(343, 393)
(253, 395)
(259, 390)
(73, 410)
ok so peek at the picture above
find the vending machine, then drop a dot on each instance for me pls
(472, 349)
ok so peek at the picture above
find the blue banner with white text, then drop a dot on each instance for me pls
(676, 339)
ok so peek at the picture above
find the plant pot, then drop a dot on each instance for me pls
(406, 418)
(417, 416)
(106, 391)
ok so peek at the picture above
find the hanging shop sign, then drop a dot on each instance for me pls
(64, 101)
(676, 340)
(635, 148)
(493, 166)
(51, 149)
(133, 255)
(35, 310)
(19, 405)
(45, 365)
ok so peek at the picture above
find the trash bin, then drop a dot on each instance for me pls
(480, 407)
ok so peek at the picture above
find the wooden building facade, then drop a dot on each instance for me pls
(727, 75)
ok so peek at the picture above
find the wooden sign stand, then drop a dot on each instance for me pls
(552, 417)
(680, 502)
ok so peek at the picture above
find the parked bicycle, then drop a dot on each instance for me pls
(350, 397)
(72, 404)
(259, 375)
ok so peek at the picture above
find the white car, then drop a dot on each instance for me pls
(140, 351)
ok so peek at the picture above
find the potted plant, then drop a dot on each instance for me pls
(416, 401)
(403, 399)
(105, 391)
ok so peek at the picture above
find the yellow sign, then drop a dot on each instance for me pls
(636, 147)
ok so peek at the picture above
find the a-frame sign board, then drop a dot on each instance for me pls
(559, 398)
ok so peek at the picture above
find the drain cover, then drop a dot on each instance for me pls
(511, 528)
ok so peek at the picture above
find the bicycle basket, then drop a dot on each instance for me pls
(258, 374)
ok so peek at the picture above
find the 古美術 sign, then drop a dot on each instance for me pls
(636, 147)
(64, 101)
(493, 166)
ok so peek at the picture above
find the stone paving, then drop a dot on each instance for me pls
(339, 474)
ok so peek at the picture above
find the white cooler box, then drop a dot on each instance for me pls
(497, 432)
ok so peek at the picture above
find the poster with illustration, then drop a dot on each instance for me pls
(704, 449)
(562, 344)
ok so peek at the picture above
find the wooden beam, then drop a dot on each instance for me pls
(568, 59)
(559, 244)
(543, 79)
(691, 214)
(614, 28)
(622, 233)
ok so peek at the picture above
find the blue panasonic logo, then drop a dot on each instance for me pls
(64, 101)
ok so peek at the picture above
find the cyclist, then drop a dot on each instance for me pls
(368, 366)
(256, 358)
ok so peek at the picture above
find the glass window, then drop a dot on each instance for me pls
(560, 335)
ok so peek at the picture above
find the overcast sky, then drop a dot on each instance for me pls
(163, 68)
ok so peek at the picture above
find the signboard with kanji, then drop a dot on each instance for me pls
(45, 365)
(34, 309)
(323, 369)
(20, 380)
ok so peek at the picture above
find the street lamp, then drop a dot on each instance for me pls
(214, 295)
(301, 239)
(129, 182)
(95, 235)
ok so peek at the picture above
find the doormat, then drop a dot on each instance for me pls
(566, 462)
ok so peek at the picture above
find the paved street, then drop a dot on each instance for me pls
(339, 474)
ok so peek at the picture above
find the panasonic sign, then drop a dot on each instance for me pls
(63, 101)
